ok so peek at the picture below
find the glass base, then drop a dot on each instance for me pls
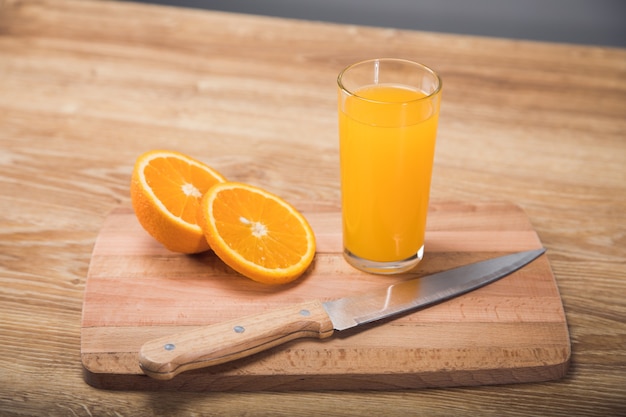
(384, 268)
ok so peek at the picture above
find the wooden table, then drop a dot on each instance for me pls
(85, 87)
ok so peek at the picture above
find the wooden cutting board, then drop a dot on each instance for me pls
(511, 331)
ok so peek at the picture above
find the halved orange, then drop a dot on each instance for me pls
(166, 188)
(256, 233)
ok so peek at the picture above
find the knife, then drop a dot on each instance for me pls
(166, 357)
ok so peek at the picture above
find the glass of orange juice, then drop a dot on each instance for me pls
(388, 114)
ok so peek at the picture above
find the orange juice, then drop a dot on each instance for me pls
(387, 144)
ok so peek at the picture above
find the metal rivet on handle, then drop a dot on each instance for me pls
(169, 346)
(239, 329)
(305, 313)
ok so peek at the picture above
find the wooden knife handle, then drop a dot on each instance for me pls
(166, 357)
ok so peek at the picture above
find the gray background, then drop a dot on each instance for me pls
(591, 22)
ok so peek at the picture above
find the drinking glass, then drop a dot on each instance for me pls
(388, 115)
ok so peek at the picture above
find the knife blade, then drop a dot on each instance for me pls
(168, 356)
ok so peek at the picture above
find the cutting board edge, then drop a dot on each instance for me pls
(199, 382)
(546, 352)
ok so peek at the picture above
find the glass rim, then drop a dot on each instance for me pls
(398, 60)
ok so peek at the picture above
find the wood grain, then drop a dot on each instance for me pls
(86, 86)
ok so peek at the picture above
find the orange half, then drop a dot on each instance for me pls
(166, 189)
(256, 233)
